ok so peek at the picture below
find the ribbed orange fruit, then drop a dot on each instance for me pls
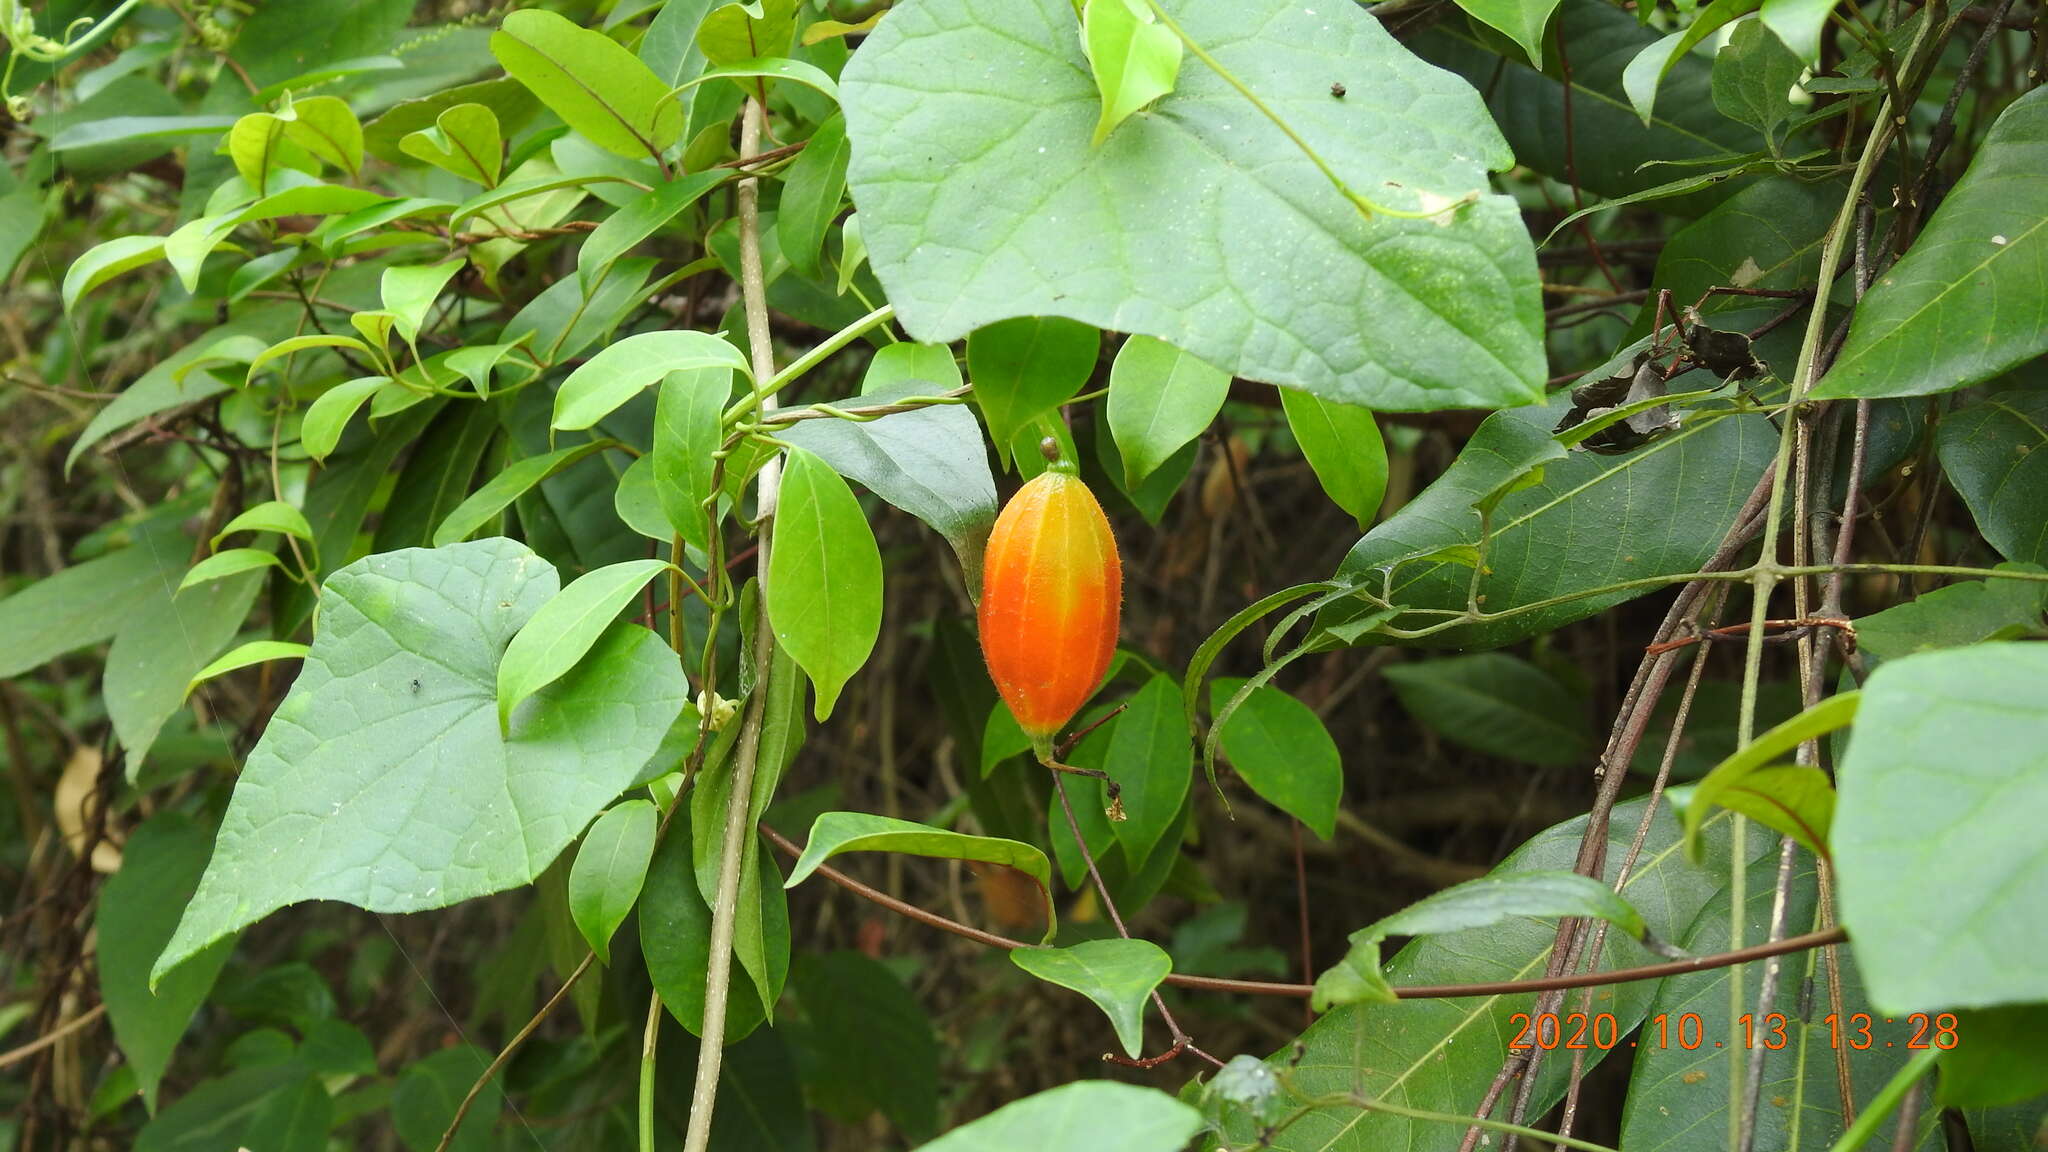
(1051, 591)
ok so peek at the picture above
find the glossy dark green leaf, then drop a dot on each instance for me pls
(824, 577)
(1591, 522)
(1119, 975)
(429, 1091)
(948, 100)
(396, 703)
(1342, 445)
(1440, 1055)
(1610, 145)
(1152, 761)
(875, 1035)
(811, 193)
(1996, 1058)
(1967, 612)
(1281, 749)
(1995, 452)
(1026, 367)
(1766, 236)
(1498, 704)
(138, 909)
(1940, 789)
(611, 866)
(1159, 399)
(599, 88)
(1962, 305)
(675, 940)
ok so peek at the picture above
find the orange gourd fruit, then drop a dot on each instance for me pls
(1051, 592)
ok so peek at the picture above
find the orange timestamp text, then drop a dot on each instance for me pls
(1858, 1031)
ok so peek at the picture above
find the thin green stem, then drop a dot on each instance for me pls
(1886, 1101)
(649, 1041)
(762, 392)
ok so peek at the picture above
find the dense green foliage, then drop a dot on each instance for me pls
(495, 497)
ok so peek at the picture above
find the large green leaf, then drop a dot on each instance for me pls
(1084, 1116)
(1610, 146)
(137, 911)
(981, 199)
(1965, 612)
(1936, 836)
(166, 637)
(932, 463)
(1440, 1055)
(382, 779)
(874, 1036)
(1678, 1088)
(1965, 302)
(1766, 236)
(1498, 704)
(824, 577)
(675, 938)
(1996, 454)
(1590, 522)
(1119, 975)
(590, 81)
(80, 605)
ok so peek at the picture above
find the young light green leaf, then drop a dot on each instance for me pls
(853, 252)
(929, 366)
(564, 628)
(464, 140)
(328, 128)
(620, 370)
(811, 192)
(1645, 74)
(1084, 1116)
(1343, 447)
(1134, 59)
(1523, 21)
(253, 144)
(328, 416)
(409, 291)
(395, 704)
(284, 348)
(609, 870)
(594, 84)
(1473, 904)
(1119, 975)
(477, 362)
(1953, 311)
(1282, 751)
(501, 490)
(1796, 800)
(837, 832)
(1798, 23)
(687, 411)
(638, 220)
(1027, 367)
(734, 32)
(105, 261)
(244, 655)
(824, 587)
(1159, 399)
(224, 564)
(269, 516)
(769, 68)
